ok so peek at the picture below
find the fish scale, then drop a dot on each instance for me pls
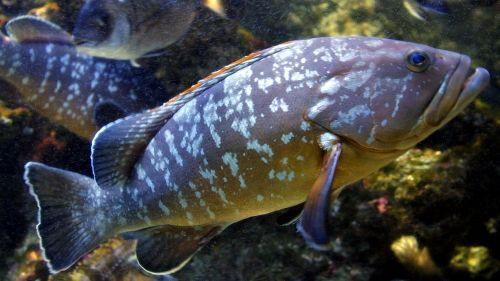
(290, 125)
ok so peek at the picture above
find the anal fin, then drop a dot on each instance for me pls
(166, 249)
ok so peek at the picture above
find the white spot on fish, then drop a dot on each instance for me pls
(210, 213)
(351, 116)
(330, 87)
(49, 48)
(263, 84)
(169, 138)
(396, 107)
(286, 138)
(242, 182)
(141, 173)
(305, 126)
(271, 174)
(260, 148)
(231, 160)
(319, 107)
(209, 175)
(278, 103)
(163, 208)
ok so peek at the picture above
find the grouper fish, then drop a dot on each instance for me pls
(291, 124)
(79, 92)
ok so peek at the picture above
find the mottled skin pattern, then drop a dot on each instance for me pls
(250, 139)
(249, 145)
(65, 86)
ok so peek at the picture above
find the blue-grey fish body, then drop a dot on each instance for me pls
(79, 92)
(293, 123)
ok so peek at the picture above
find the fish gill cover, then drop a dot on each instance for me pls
(431, 214)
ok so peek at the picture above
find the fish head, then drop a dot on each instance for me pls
(102, 27)
(400, 93)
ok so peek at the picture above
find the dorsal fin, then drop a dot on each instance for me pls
(30, 29)
(117, 146)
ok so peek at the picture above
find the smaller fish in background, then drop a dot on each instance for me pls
(421, 9)
(79, 92)
(129, 30)
(426, 9)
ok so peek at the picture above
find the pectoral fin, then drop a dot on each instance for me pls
(312, 224)
(166, 249)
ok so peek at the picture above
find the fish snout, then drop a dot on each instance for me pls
(478, 80)
(447, 95)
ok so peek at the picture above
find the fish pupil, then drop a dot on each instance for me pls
(418, 61)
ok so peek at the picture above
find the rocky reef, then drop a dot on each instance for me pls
(431, 215)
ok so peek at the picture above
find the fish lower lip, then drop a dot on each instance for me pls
(478, 81)
(448, 94)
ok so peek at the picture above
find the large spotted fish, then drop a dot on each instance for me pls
(293, 123)
(79, 92)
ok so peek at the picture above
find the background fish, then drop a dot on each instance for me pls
(424, 9)
(293, 123)
(128, 30)
(79, 92)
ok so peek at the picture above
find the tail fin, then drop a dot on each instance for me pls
(216, 6)
(69, 214)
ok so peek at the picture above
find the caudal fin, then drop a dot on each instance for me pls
(69, 214)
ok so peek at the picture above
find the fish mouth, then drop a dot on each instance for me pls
(459, 87)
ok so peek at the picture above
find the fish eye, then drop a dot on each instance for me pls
(418, 61)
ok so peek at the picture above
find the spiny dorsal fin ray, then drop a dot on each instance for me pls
(30, 29)
(118, 145)
(166, 249)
